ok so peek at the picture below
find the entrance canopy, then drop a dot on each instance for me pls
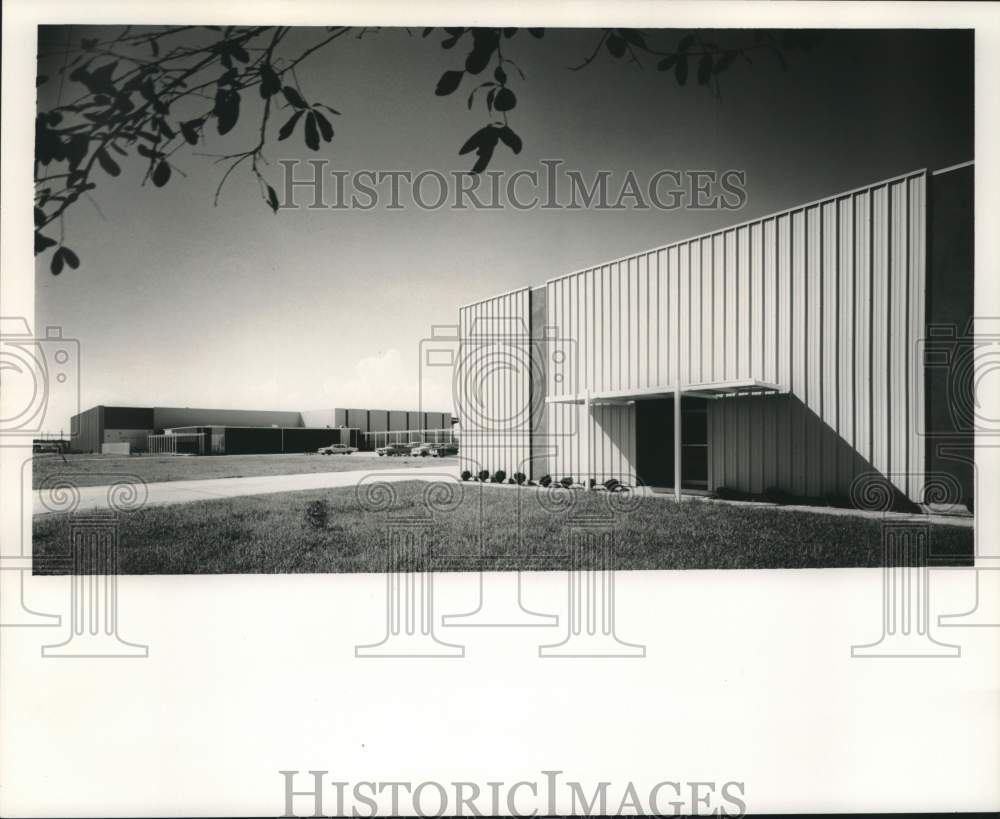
(711, 389)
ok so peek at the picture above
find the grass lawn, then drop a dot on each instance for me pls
(283, 533)
(96, 470)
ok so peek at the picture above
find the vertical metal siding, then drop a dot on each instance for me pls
(493, 384)
(857, 307)
(825, 299)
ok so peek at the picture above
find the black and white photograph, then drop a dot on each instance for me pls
(499, 417)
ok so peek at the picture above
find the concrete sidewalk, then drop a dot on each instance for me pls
(172, 492)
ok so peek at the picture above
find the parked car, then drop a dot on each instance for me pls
(394, 449)
(337, 449)
(423, 450)
(444, 450)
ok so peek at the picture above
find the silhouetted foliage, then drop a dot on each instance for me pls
(153, 91)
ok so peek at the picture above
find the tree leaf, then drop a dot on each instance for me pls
(505, 100)
(704, 69)
(666, 63)
(161, 174)
(70, 257)
(56, 265)
(483, 142)
(474, 141)
(293, 97)
(227, 109)
(190, 130)
(681, 69)
(727, 60)
(449, 82)
(312, 135)
(616, 45)
(427, 31)
(270, 82)
(39, 216)
(633, 36)
(107, 163)
(500, 76)
(325, 128)
(685, 43)
(288, 127)
(510, 139)
(479, 57)
(100, 78)
(42, 243)
(537, 32)
(272, 198)
(485, 154)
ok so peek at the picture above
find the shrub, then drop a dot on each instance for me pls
(499, 476)
(510, 481)
(519, 478)
(774, 494)
(545, 480)
(837, 501)
(532, 483)
(612, 484)
(483, 476)
(728, 493)
(466, 474)
(592, 483)
(567, 481)
(317, 513)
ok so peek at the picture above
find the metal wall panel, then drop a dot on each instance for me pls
(320, 418)
(857, 388)
(801, 299)
(86, 430)
(493, 374)
(128, 418)
(600, 318)
(164, 417)
(397, 420)
(358, 419)
(826, 300)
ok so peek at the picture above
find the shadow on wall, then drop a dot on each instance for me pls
(775, 444)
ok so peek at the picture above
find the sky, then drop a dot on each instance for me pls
(181, 303)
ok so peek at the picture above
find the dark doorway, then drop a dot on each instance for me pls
(655, 442)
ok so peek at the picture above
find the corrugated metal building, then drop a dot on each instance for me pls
(791, 343)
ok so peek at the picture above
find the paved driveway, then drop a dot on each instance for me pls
(128, 496)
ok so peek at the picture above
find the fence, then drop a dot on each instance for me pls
(373, 440)
(180, 443)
